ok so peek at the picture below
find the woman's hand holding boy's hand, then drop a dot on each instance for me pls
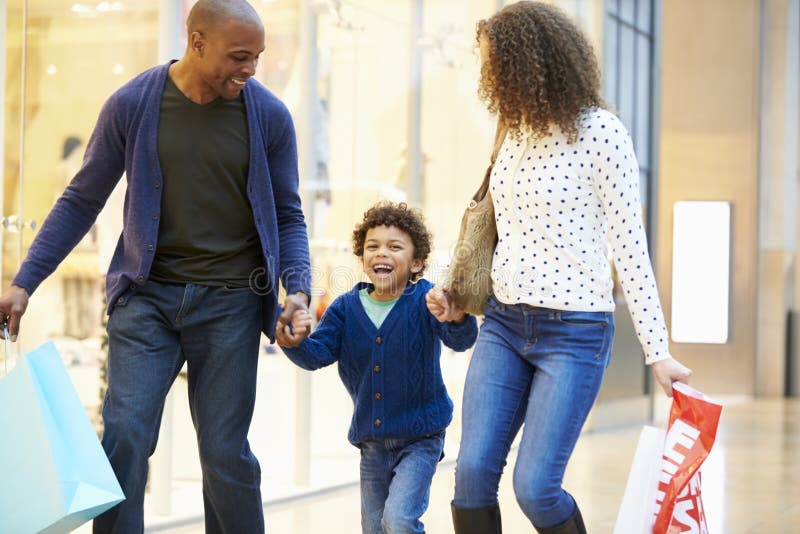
(441, 307)
(292, 334)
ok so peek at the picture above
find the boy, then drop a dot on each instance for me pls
(386, 340)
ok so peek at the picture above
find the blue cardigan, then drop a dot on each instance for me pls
(392, 373)
(125, 140)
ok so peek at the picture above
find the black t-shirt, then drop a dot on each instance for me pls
(206, 234)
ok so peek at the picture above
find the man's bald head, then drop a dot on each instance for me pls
(209, 15)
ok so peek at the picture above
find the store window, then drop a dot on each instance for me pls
(63, 59)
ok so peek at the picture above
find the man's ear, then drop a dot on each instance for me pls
(198, 42)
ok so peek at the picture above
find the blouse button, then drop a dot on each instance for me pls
(377, 368)
(377, 422)
(378, 396)
(379, 341)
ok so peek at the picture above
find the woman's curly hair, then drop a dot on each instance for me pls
(540, 69)
(410, 221)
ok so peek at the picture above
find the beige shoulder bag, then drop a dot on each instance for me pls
(469, 279)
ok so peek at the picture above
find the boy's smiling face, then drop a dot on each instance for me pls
(389, 261)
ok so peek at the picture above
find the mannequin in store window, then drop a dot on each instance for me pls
(565, 178)
(212, 223)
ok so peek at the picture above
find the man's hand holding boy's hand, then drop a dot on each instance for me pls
(292, 334)
(442, 307)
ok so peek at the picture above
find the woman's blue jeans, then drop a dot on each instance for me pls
(216, 331)
(396, 479)
(540, 367)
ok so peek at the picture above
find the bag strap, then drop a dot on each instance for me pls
(499, 137)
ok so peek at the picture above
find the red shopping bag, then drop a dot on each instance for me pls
(693, 422)
(688, 515)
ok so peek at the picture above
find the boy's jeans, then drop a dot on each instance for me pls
(216, 331)
(535, 366)
(396, 479)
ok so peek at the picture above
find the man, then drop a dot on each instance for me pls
(212, 219)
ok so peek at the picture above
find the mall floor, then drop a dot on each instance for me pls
(751, 482)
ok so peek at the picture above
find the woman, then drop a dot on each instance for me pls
(565, 178)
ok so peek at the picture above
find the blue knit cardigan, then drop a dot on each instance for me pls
(392, 373)
(125, 138)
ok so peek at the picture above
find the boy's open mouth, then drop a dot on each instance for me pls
(382, 269)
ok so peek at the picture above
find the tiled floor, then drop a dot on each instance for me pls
(751, 482)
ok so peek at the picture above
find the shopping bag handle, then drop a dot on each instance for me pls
(14, 351)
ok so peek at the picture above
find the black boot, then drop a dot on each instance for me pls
(573, 525)
(477, 520)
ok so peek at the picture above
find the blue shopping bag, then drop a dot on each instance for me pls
(54, 475)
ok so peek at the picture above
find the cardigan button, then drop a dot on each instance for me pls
(379, 341)
(377, 422)
(377, 368)
(378, 396)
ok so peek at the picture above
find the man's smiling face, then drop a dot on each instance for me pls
(229, 56)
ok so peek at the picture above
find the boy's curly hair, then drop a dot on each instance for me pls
(410, 221)
(540, 69)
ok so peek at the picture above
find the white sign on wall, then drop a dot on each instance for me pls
(700, 272)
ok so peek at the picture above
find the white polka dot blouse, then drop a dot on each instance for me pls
(555, 204)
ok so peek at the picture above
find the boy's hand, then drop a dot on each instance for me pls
(292, 334)
(442, 307)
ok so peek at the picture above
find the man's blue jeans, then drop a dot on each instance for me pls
(216, 331)
(535, 366)
(396, 479)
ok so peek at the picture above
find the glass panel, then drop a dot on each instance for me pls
(627, 10)
(610, 51)
(13, 33)
(77, 55)
(279, 63)
(644, 15)
(643, 92)
(457, 132)
(625, 105)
